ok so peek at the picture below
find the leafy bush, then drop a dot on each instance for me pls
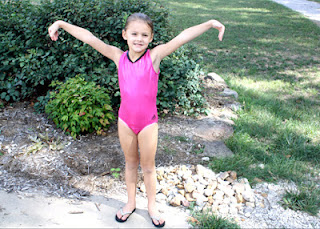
(42, 102)
(30, 61)
(79, 106)
(13, 46)
(180, 86)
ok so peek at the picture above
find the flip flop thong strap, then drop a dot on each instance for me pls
(124, 213)
(155, 217)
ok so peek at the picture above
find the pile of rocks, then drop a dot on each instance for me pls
(200, 186)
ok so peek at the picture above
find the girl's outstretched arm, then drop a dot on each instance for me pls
(86, 36)
(185, 36)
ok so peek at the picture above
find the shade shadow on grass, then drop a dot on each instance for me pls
(270, 56)
(261, 37)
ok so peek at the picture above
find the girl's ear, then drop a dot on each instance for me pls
(124, 35)
(151, 39)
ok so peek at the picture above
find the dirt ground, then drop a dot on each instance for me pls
(37, 155)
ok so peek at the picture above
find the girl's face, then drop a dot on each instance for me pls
(138, 36)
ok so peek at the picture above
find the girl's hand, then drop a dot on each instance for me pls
(53, 31)
(220, 27)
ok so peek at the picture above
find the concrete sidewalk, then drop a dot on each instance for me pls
(309, 9)
(37, 211)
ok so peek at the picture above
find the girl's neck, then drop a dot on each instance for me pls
(134, 56)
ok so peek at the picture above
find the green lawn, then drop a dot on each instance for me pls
(271, 56)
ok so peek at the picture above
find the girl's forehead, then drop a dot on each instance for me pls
(139, 25)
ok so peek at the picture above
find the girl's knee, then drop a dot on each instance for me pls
(148, 168)
(132, 164)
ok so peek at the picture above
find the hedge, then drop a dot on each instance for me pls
(30, 61)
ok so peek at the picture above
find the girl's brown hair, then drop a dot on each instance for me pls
(139, 16)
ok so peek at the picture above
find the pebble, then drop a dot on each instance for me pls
(205, 159)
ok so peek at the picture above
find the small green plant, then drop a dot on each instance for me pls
(197, 148)
(209, 220)
(167, 138)
(78, 106)
(181, 138)
(41, 141)
(304, 199)
(169, 150)
(36, 146)
(115, 172)
(192, 205)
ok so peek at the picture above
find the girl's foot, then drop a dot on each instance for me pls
(126, 210)
(156, 219)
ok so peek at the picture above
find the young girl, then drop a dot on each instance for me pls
(138, 73)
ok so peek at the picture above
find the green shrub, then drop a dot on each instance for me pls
(13, 46)
(180, 88)
(79, 107)
(42, 102)
(30, 61)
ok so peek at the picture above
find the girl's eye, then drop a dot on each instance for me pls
(145, 35)
(134, 34)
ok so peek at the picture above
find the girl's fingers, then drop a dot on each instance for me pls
(221, 33)
(220, 27)
(53, 35)
(56, 34)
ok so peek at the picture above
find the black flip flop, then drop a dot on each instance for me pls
(122, 214)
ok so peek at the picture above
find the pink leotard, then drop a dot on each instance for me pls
(138, 83)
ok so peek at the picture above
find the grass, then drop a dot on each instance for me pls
(318, 1)
(208, 220)
(270, 56)
(306, 198)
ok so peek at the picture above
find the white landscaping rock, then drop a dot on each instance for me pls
(216, 77)
(228, 92)
(218, 192)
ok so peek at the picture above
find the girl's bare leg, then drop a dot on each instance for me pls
(148, 140)
(129, 144)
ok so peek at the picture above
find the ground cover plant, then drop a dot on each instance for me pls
(270, 56)
(209, 220)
